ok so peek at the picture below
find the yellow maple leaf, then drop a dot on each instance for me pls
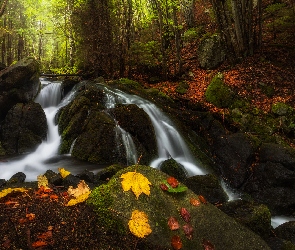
(137, 182)
(138, 224)
(80, 193)
(7, 191)
(42, 181)
(64, 173)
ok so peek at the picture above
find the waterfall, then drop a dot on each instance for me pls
(169, 141)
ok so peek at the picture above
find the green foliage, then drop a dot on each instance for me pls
(218, 93)
(130, 83)
(192, 34)
(280, 108)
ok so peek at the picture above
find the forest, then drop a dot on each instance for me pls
(129, 38)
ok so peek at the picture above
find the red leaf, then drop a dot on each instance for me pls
(173, 223)
(172, 182)
(163, 187)
(185, 215)
(207, 245)
(202, 199)
(176, 242)
(188, 231)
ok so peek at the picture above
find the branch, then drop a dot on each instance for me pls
(3, 7)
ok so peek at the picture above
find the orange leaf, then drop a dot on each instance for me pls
(54, 197)
(202, 199)
(30, 216)
(185, 214)
(195, 202)
(173, 223)
(45, 235)
(39, 243)
(207, 245)
(176, 242)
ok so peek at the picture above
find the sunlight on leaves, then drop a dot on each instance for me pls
(64, 173)
(42, 181)
(137, 182)
(138, 224)
(7, 191)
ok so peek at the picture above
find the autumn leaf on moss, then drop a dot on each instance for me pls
(137, 182)
(80, 193)
(138, 224)
(177, 189)
(64, 173)
(42, 181)
(7, 191)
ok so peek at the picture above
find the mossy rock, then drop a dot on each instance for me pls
(173, 168)
(218, 93)
(115, 206)
(182, 88)
(281, 109)
(2, 150)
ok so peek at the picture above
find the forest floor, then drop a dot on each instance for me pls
(38, 220)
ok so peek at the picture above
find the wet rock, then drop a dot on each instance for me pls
(24, 128)
(207, 186)
(17, 178)
(286, 231)
(2, 182)
(71, 180)
(19, 83)
(54, 178)
(87, 176)
(107, 173)
(173, 168)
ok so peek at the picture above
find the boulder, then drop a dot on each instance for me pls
(286, 231)
(211, 52)
(24, 128)
(173, 168)
(19, 83)
(200, 225)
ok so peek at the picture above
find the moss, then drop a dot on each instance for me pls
(182, 87)
(173, 168)
(130, 83)
(218, 93)
(281, 109)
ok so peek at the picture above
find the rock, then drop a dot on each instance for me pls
(86, 176)
(281, 109)
(71, 180)
(235, 154)
(218, 93)
(68, 84)
(208, 223)
(107, 173)
(286, 231)
(271, 152)
(54, 178)
(24, 128)
(16, 179)
(211, 52)
(173, 168)
(207, 186)
(256, 217)
(2, 182)
(19, 83)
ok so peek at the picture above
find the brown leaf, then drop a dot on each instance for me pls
(39, 243)
(185, 214)
(30, 216)
(45, 235)
(176, 242)
(202, 199)
(195, 202)
(207, 245)
(173, 223)
(172, 182)
(188, 231)
(163, 187)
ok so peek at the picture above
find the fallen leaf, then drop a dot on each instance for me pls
(53, 197)
(42, 181)
(22, 220)
(176, 242)
(39, 243)
(195, 202)
(45, 235)
(207, 245)
(30, 216)
(82, 188)
(7, 191)
(188, 231)
(138, 224)
(163, 187)
(202, 199)
(137, 182)
(79, 199)
(173, 223)
(185, 215)
(11, 202)
(172, 182)
(64, 173)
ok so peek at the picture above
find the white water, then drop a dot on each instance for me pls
(278, 220)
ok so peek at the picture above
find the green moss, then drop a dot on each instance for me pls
(281, 109)
(218, 93)
(102, 200)
(182, 87)
(130, 83)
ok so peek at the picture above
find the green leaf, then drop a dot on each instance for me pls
(179, 189)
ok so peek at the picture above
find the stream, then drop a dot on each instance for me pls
(169, 141)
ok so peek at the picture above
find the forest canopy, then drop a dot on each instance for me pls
(118, 38)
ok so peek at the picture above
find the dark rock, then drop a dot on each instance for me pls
(107, 173)
(24, 128)
(286, 231)
(256, 217)
(18, 84)
(87, 176)
(54, 178)
(2, 66)
(235, 154)
(135, 121)
(207, 186)
(211, 52)
(71, 180)
(173, 168)
(276, 243)
(68, 84)
(17, 178)
(2, 182)
(271, 152)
